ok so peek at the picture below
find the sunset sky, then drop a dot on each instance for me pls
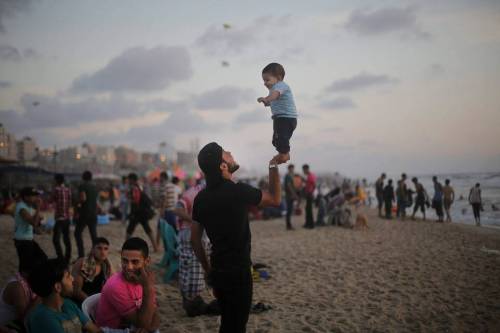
(379, 85)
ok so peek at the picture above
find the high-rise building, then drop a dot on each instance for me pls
(8, 145)
(105, 155)
(26, 149)
(126, 157)
(166, 153)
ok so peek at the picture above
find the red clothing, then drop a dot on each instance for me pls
(62, 202)
(136, 195)
(119, 298)
(310, 183)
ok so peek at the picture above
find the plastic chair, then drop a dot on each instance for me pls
(89, 306)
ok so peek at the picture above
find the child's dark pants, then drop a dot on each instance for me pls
(282, 132)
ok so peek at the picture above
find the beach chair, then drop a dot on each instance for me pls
(170, 260)
(89, 306)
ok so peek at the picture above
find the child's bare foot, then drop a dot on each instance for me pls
(282, 158)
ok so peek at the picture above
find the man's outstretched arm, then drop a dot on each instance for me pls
(273, 196)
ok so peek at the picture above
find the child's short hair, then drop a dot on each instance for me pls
(275, 69)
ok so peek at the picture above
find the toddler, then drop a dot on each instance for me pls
(283, 110)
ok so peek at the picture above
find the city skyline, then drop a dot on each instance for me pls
(379, 86)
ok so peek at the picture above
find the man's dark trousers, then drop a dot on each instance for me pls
(289, 212)
(81, 223)
(62, 226)
(309, 211)
(234, 295)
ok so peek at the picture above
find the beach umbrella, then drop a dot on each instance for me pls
(180, 173)
(155, 173)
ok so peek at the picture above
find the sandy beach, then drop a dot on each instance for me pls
(410, 276)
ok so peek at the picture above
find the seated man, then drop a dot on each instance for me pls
(90, 273)
(191, 276)
(128, 297)
(17, 298)
(56, 314)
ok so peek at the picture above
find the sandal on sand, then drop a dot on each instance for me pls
(260, 307)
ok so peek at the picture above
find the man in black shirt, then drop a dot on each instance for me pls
(222, 210)
(88, 208)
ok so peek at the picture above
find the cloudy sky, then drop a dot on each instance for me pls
(379, 86)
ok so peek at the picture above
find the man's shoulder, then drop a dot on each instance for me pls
(115, 281)
(37, 312)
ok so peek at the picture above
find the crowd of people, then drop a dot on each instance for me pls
(209, 218)
(404, 198)
(210, 221)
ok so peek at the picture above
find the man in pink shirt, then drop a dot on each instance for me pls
(309, 192)
(128, 297)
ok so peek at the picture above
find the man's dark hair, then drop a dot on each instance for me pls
(390, 181)
(163, 175)
(305, 167)
(46, 275)
(87, 175)
(137, 244)
(133, 176)
(275, 69)
(383, 175)
(447, 182)
(477, 184)
(59, 178)
(26, 267)
(414, 179)
(101, 240)
(175, 180)
(434, 178)
(403, 175)
(291, 166)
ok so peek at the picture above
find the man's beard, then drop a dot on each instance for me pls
(232, 167)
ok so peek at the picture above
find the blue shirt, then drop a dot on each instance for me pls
(284, 106)
(24, 230)
(43, 319)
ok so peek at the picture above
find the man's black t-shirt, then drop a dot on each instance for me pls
(223, 212)
(89, 207)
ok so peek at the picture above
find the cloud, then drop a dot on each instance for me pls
(217, 39)
(10, 53)
(179, 123)
(225, 97)
(266, 29)
(252, 117)
(361, 81)
(435, 70)
(386, 21)
(10, 8)
(138, 69)
(5, 84)
(31, 53)
(50, 112)
(340, 103)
